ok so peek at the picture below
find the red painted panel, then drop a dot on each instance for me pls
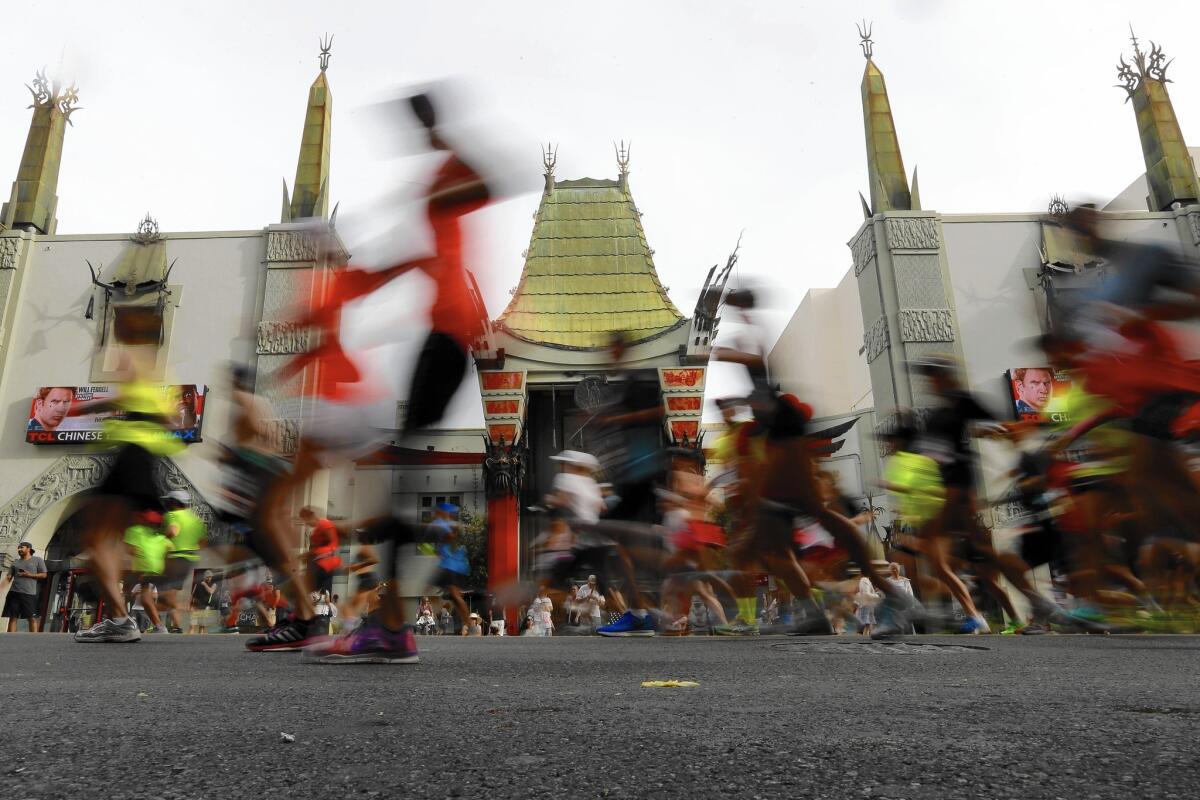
(496, 381)
(687, 402)
(680, 378)
(688, 428)
(501, 406)
(509, 432)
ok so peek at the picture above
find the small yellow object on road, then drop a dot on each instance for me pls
(668, 684)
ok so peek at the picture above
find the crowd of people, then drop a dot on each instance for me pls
(670, 542)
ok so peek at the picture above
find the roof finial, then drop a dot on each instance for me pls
(623, 156)
(549, 158)
(326, 46)
(864, 33)
(1137, 51)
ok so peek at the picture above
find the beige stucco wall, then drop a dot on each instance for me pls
(53, 344)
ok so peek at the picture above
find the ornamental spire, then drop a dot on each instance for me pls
(1170, 174)
(310, 191)
(885, 165)
(33, 199)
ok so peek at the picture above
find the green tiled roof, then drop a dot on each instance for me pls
(588, 271)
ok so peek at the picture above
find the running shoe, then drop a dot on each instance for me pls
(812, 626)
(1012, 628)
(1034, 629)
(160, 629)
(289, 638)
(109, 631)
(739, 627)
(369, 643)
(974, 625)
(629, 625)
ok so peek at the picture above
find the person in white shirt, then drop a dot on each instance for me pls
(589, 601)
(540, 611)
(139, 611)
(865, 601)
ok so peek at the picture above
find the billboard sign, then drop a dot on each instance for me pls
(1034, 388)
(61, 415)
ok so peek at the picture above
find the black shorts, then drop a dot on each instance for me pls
(440, 369)
(20, 606)
(175, 573)
(445, 578)
(367, 581)
(132, 479)
(321, 579)
(1043, 545)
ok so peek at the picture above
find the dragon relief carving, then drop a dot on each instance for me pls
(862, 248)
(281, 338)
(10, 249)
(876, 339)
(913, 233)
(926, 325)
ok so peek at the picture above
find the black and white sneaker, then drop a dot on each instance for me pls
(109, 631)
(289, 638)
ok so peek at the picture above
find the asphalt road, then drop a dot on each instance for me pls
(197, 717)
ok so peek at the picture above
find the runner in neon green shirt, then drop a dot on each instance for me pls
(188, 535)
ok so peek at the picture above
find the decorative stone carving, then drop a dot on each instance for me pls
(876, 339)
(504, 468)
(863, 248)
(10, 248)
(73, 474)
(926, 325)
(913, 233)
(281, 338)
(284, 435)
(1194, 224)
(291, 246)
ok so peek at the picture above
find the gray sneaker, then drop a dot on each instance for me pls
(109, 631)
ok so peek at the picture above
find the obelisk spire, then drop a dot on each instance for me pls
(885, 165)
(1170, 173)
(34, 199)
(310, 192)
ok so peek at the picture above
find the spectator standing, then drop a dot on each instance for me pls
(903, 585)
(445, 620)
(865, 602)
(589, 602)
(204, 603)
(142, 591)
(24, 575)
(541, 612)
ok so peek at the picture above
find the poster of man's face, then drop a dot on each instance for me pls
(1033, 389)
(50, 407)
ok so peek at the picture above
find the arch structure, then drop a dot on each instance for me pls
(36, 512)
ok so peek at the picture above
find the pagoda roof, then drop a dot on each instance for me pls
(588, 271)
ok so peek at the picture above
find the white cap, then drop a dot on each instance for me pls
(577, 458)
(179, 496)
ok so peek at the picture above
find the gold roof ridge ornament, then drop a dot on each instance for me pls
(1153, 66)
(326, 51)
(1058, 206)
(47, 93)
(147, 231)
(864, 34)
(622, 152)
(549, 158)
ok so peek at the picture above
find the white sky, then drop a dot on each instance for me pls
(742, 114)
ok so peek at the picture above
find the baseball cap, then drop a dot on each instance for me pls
(27, 544)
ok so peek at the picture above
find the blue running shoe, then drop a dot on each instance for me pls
(629, 625)
(974, 625)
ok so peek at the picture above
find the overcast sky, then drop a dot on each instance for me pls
(743, 115)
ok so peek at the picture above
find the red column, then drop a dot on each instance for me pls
(503, 549)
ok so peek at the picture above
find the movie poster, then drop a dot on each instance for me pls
(1033, 392)
(60, 414)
